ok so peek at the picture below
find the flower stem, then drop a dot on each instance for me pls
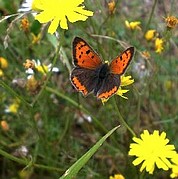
(151, 15)
(121, 119)
(75, 104)
(50, 73)
(27, 162)
(10, 90)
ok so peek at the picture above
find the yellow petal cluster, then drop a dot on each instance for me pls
(171, 21)
(117, 176)
(152, 150)
(59, 11)
(149, 35)
(159, 45)
(111, 7)
(13, 107)
(3, 63)
(133, 25)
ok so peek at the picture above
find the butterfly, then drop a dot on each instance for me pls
(90, 74)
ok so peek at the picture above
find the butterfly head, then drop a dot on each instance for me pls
(106, 62)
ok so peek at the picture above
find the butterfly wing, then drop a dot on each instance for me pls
(120, 63)
(84, 56)
(86, 60)
(109, 86)
(84, 80)
(117, 67)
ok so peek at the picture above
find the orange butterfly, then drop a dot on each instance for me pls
(90, 74)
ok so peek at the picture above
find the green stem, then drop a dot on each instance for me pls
(27, 162)
(121, 120)
(151, 15)
(74, 103)
(50, 73)
(10, 90)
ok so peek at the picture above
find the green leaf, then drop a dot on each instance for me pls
(74, 169)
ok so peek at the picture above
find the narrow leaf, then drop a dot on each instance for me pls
(74, 169)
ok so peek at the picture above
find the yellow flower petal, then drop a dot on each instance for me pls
(117, 176)
(58, 11)
(159, 45)
(120, 92)
(37, 4)
(1, 73)
(43, 17)
(3, 63)
(73, 17)
(133, 25)
(126, 80)
(53, 26)
(150, 34)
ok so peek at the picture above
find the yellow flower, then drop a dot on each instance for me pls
(111, 7)
(159, 45)
(4, 125)
(151, 150)
(36, 38)
(149, 35)
(126, 80)
(174, 173)
(1, 73)
(3, 63)
(29, 64)
(117, 176)
(32, 65)
(171, 21)
(168, 84)
(133, 25)
(13, 108)
(42, 69)
(37, 4)
(145, 54)
(58, 11)
(25, 24)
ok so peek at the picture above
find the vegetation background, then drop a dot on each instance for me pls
(45, 130)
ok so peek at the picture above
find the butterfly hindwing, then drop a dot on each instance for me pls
(84, 56)
(120, 63)
(109, 86)
(84, 80)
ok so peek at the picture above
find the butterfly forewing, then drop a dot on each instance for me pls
(84, 56)
(120, 63)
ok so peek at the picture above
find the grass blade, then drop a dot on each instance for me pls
(74, 169)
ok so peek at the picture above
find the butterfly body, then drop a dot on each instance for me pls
(92, 75)
(103, 71)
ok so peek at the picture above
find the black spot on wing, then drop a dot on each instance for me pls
(88, 51)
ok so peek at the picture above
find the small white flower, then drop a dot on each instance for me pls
(41, 68)
(25, 6)
(140, 69)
